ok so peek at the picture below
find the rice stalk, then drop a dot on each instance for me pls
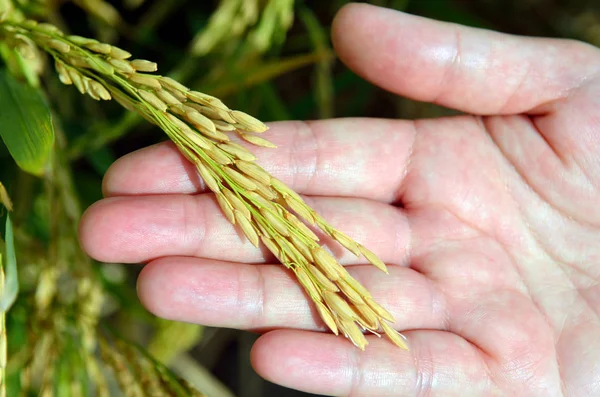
(6, 202)
(262, 206)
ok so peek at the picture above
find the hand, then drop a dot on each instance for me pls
(490, 223)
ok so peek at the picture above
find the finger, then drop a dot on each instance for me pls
(438, 364)
(469, 69)
(138, 229)
(233, 295)
(343, 157)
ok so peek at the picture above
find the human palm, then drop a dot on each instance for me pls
(489, 223)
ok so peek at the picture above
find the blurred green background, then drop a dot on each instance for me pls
(273, 61)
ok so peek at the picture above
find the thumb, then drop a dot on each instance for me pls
(468, 69)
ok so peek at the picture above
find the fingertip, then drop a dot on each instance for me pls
(365, 37)
(117, 175)
(156, 169)
(154, 287)
(92, 225)
(117, 229)
(303, 360)
(342, 32)
(179, 289)
(340, 21)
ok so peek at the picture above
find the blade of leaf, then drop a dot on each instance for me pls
(11, 286)
(26, 122)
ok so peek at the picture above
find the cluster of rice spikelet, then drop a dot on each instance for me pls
(138, 375)
(264, 208)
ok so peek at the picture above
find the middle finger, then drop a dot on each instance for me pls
(139, 229)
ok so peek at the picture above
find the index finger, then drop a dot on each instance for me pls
(364, 158)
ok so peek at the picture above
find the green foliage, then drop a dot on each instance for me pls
(27, 129)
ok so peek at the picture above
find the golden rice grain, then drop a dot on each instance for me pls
(352, 332)
(82, 41)
(89, 90)
(181, 126)
(322, 279)
(153, 100)
(301, 226)
(246, 227)
(208, 177)
(240, 179)
(250, 123)
(100, 48)
(62, 73)
(226, 207)
(276, 221)
(266, 192)
(300, 245)
(339, 306)
(350, 292)
(368, 317)
(327, 317)
(77, 80)
(357, 286)
(373, 259)
(122, 65)
(398, 339)
(300, 208)
(99, 90)
(258, 141)
(167, 97)
(118, 53)
(223, 126)
(100, 65)
(238, 151)
(380, 311)
(195, 138)
(326, 263)
(260, 201)
(254, 171)
(147, 80)
(168, 82)
(271, 245)
(216, 135)
(142, 65)
(219, 155)
(307, 283)
(199, 120)
(346, 242)
(59, 45)
(284, 189)
(236, 203)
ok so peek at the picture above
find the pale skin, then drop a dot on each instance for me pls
(489, 222)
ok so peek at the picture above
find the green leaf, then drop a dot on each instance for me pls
(11, 283)
(26, 122)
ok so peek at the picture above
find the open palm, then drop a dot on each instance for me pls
(490, 224)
